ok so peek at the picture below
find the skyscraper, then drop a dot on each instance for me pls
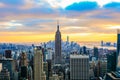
(116, 75)
(23, 59)
(111, 62)
(118, 50)
(38, 65)
(8, 63)
(57, 57)
(96, 53)
(67, 38)
(8, 54)
(79, 67)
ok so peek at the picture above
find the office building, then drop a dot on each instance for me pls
(23, 59)
(49, 55)
(67, 38)
(49, 62)
(111, 62)
(23, 73)
(45, 68)
(38, 65)
(102, 43)
(115, 75)
(10, 65)
(96, 53)
(84, 51)
(57, 57)
(8, 54)
(30, 73)
(118, 50)
(4, 74)
(79, 67)
(103, 66)
(23, 66)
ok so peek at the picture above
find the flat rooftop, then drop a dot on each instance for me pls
(78, 56)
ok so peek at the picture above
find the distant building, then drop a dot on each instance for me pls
(111, 62)
(16, 74)
(102, 43)
(38, 65)
(97, 69)
(23, 73)
(103, 68)
(10, 65)
(8, 54)
(4, 74)
(45, 52)
(57, 57)
(23, 59)
(67, 38)
(84, 51)
(49, 62)
(79, 67)
(49, 55)
(30, 73)
(23, 66)
(56, 77)
(0, 66)
(96, 53)
(45, 68)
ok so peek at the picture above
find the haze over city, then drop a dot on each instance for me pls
(36, 20)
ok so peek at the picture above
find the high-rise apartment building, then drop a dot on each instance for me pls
(79, 67)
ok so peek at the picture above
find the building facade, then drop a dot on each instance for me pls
(4, 74)
(38, 65)
(8, 63)
(118, 50)
(57, 57)
(79, 67)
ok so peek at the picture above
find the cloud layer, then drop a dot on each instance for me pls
(83, 6)
(38, 18)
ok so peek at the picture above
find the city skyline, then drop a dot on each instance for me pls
(81, 20)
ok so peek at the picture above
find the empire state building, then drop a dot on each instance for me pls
(57, 57)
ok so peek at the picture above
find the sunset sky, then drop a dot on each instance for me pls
(81, 20)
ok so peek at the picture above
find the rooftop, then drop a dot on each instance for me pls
(79, 56)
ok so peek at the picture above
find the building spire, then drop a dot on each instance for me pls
(58, 25)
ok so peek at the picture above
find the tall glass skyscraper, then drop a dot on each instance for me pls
(118, 50)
